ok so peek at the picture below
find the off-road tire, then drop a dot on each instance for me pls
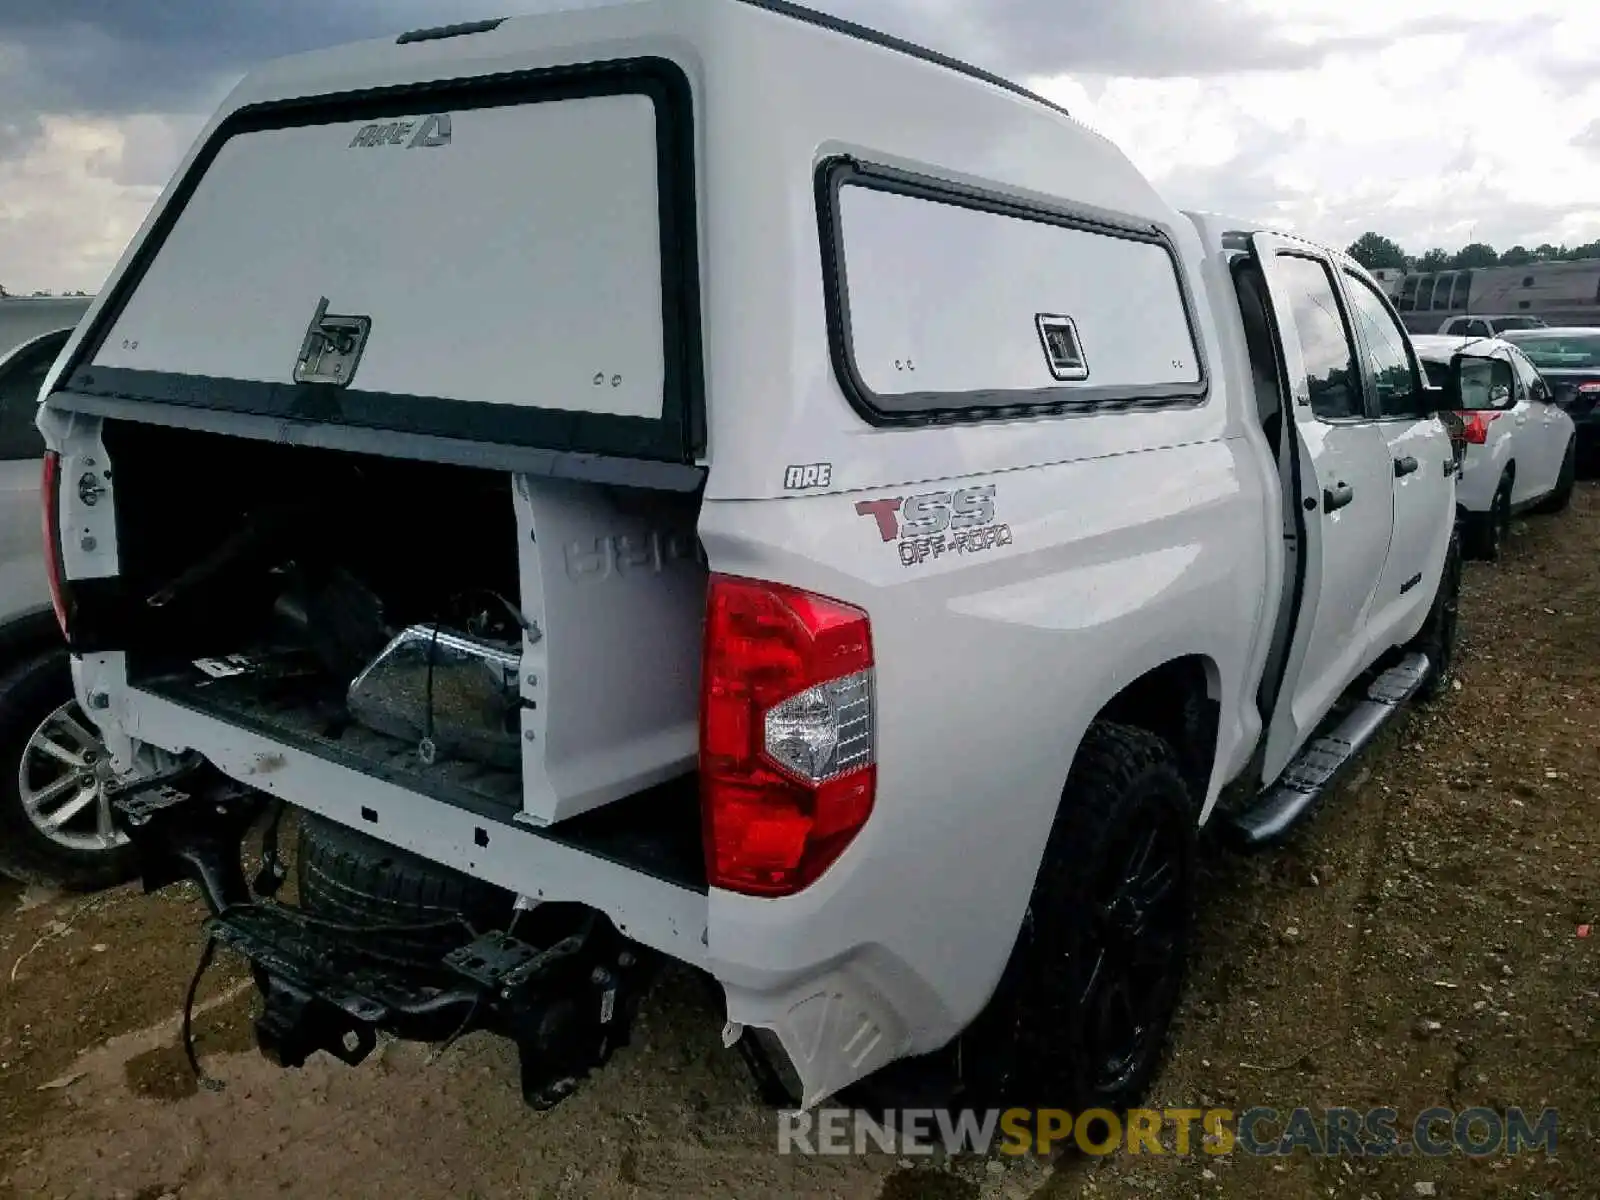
(422, 909)
(1558, 500)
(1031, 1045)
(1438, 636)
(29, 694)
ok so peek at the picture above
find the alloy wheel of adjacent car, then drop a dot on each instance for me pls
(1488, 531)
(61, 782)
(1500, 517)
(55, 817)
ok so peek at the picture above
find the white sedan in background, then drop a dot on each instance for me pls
(1522, 459)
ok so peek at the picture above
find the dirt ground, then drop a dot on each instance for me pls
(1418, 944)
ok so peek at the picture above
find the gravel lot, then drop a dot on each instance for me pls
(1417, 945)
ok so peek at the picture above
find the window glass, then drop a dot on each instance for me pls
(1408, 294)
(1324, 343)
(1571, 352)
(21, 377)
(1477, 329)
(1441, 292)
(954, 306)
(1463, 289)
(1528, 376)
(1385, 347)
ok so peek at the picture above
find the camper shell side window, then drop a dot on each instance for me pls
(951, 304)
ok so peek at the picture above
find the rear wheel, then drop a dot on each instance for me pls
(1558, 500)
(55, 818)
(1080, 1018)
(1486, 533)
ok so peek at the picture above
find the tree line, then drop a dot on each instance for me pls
(5, 295)
(1373, 250)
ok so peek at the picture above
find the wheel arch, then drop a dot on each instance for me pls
(1180, 702)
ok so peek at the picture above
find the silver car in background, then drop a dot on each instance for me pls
(1519, 460)
(55, 823)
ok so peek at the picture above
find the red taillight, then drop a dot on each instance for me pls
(50, 502)
(787, 746)
(1477, 426)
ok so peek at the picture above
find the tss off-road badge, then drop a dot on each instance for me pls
(934, 524)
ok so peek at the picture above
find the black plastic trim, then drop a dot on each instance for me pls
(938, 408)
(439, 32)
(488, 456)
(677, 436)
(864, 33)
(1269, 692)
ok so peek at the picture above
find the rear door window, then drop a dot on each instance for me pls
(1325, 345)
(1384, 349)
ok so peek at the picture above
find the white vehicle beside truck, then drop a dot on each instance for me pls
(1519, 459)
(55, 819)
(704, 480)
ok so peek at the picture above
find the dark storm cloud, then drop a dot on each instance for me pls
(121, 56)
(1149, 38)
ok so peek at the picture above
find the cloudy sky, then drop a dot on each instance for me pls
(1433, 121)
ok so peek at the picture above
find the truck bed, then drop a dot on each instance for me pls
(656, 831)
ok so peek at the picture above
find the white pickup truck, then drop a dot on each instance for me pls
(698, 479)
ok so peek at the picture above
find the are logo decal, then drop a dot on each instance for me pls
(803, 478)
(411, 133)
(933, 524)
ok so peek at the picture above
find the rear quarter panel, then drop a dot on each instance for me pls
(990, 666)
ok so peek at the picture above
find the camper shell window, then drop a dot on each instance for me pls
(488, 273)
(946, 303)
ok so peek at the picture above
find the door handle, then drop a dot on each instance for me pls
(1404, 466)
(1336, 497)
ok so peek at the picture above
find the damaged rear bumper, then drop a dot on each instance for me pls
(567, 1005)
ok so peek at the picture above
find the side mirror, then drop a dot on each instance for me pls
(1477, 384)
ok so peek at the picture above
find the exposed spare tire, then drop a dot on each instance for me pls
(421, 908)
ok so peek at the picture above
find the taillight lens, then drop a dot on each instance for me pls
(787, 738)
(50, 503)
(1476, 429)
(1589, 389)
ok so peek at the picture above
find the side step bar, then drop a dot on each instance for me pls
(1277, 809)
